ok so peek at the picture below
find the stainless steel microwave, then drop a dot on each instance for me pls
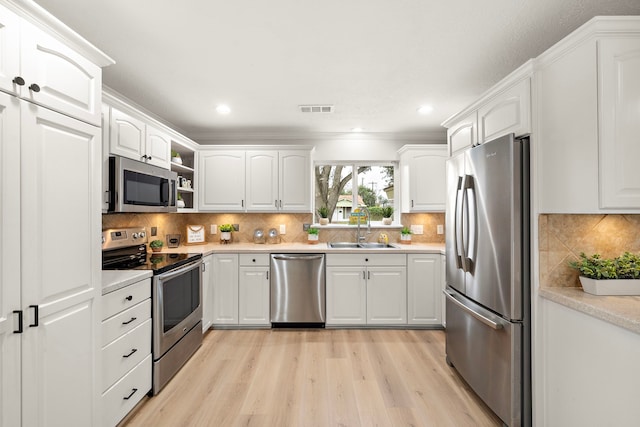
(139, 187)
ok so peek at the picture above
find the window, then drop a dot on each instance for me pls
(341, 189)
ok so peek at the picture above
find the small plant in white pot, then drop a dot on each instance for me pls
(602, 276)
(323, 213)
(175, 157)
(313, 235)
(225, 233)
(387, 213)
(405, 236)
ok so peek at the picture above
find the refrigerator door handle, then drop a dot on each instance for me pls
(480, 317)
(459, 232)
(472, 221)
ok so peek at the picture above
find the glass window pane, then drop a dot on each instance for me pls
(333, 192)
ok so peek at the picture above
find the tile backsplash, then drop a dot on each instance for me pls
(561, 238)
(173, 223)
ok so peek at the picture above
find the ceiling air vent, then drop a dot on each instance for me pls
(316, 108)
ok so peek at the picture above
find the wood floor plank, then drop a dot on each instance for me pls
(316, 378)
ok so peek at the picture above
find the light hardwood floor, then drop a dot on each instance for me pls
(321, 377)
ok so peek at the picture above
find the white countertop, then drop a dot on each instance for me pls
(112, 280)
(210, 248)
(623, 311)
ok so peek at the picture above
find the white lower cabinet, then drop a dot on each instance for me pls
(366, 289)
(241, 289)
(225, 289)
(207, 292)
(424, 288)
(126, 350)
(254, 290)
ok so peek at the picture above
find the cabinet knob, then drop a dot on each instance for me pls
(34, 87)
(254, 260)
(18, 80)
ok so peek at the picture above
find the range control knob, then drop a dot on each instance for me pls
(142, 234)
(134, 235)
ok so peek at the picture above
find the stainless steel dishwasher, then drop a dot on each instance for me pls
(297, 290)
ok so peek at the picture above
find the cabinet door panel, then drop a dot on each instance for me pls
(346, 295)
(61, 376)
(225, 289)
(386, 295)
(221, 181)
(463, 135)
(619, 92)
(69, 83)
(126, 135)
(158, 147)
(9, 50)
(207, 292)
(262, 180)
(254, 296)
(424, 287)
(509, 112)
(9, 259)
(295, 181)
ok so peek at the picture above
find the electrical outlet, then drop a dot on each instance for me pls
(236, 227)
(440, 229)
(154, 231)
(417, 229)
(214, 229)
(305, 227)
(283, 229)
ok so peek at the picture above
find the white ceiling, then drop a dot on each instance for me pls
(376, 61)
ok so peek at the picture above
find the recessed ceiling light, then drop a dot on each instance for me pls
(425, 109)
(357, 130)
(223, 109)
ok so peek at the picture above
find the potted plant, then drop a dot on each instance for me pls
(225, 232)
(156, 245)
(175, 157)
(180, 202)
(602, 276)
(405, 235)
(323, 213)
(387, 213)
(313, 236)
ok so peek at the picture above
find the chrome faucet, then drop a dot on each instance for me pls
(360, 238)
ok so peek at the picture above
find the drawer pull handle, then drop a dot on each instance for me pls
(133, 350)
(129, 321)
(133, 391)
(129, 298)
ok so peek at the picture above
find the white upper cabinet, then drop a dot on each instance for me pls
(255, 180)
(423, 174)
(262, 180)
(221, 180)
(157, 147)
(130, 136)
(295, 181)
(38, 67)
(508, 112)
(619, 118)
(588, 92)
(463, 134)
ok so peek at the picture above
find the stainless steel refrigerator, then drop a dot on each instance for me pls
(488, 275)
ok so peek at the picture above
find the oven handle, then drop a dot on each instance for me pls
(173, 273)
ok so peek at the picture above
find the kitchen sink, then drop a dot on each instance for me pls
(352, 245)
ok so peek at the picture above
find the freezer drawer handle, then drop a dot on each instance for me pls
(478, 316)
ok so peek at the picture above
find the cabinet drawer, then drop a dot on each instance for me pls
(125, 298)
(366, 259)
(120, 357)
(120, 399)
(254, 259)
(125, 321)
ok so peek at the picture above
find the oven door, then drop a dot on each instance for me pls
(139, 187)
(177, 305)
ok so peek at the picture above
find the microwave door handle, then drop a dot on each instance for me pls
(458, 232)
(164, 192)
(472, 220)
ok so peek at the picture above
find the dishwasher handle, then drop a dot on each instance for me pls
(296, 257)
